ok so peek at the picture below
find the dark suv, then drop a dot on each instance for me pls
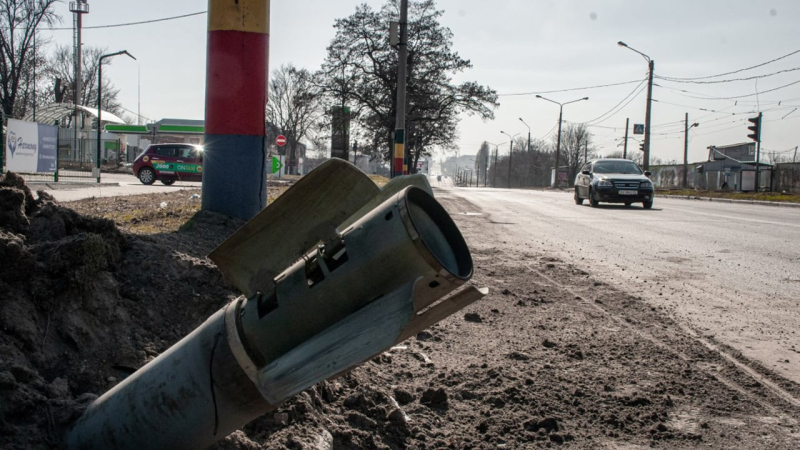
(613, 181)
(169, 163)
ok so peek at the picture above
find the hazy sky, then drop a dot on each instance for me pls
(516, 46)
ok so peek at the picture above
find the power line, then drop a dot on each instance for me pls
(789, 150)
(132, 23)
(729, 98)
(568, 90)
(754, 77)
(597, 119)
(549, 132)
(735, 71)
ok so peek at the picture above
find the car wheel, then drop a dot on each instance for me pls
(627, 203)
(578, 199)
(168, 182)
(647, 205)
(592, 201)
(147, 175)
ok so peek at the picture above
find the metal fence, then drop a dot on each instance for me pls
(77, 158)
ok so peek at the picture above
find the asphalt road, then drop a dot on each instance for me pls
(730, 272)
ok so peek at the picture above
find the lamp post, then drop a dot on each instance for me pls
(686, 149)
(510, 154)
(99, 101)
(494, 171)
(528, 168)
(529, 133)
(651, 65)
(560, 116)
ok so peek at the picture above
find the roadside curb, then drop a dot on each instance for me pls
(55, 185)
(731, 200)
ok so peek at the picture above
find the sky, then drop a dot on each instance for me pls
(516, 47)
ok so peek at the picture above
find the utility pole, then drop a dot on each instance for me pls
(794, 158)
(558, 142)
(625, 147)
(100, 102)
(494, 171)
(560, 116)
(652, 65)
(78, 9)
(510, 155)
(758, 153)
(486, 170)
(400, 122)
(685, 150)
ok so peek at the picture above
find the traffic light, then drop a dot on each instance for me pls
(755, 128)
(641, 147)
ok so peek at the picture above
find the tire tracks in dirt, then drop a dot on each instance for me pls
(776, 390)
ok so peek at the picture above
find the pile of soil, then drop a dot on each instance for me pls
(83, 305)
(552, 357)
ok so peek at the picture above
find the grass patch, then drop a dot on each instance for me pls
(758, 196)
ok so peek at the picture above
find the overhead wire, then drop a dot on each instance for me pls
(707, 97)
(569, 89)
(143, 22)
(632, 95)
(754, 77)
(735, 71)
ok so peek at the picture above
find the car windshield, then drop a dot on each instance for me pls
(625, 167)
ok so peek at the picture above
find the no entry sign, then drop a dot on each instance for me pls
(280, 140)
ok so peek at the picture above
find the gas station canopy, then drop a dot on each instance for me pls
(57, 111)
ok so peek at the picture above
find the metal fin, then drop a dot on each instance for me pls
(339, 348)
(304, 215)
(426, 318)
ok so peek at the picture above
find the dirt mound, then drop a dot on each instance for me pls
(82, 306)
(550, 358)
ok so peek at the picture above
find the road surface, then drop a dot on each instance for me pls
(729, 272)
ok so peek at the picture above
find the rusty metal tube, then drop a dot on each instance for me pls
(340, 304)
(189, 397)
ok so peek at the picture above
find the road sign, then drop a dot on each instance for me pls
(280, 140)
(276, 164)
(638, 128)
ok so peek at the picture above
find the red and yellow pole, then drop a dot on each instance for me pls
(235, 156)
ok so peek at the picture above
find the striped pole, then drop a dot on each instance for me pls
(235, 156)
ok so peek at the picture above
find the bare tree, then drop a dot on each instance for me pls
(19, 20)
(575, 139)
(60, 74)
(361, 69)
(482, 160)
(294, 107)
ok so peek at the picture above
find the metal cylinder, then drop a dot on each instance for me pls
(189, 397)
(408, 236)
(208, 385)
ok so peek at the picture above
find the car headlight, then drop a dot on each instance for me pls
(645, 184)
(604, 183)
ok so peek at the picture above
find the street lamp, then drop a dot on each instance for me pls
(529, 133)
(99, 101)
(494, 171)
(560, 115)
(686, 149)
(510, 154)
(651, 65)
